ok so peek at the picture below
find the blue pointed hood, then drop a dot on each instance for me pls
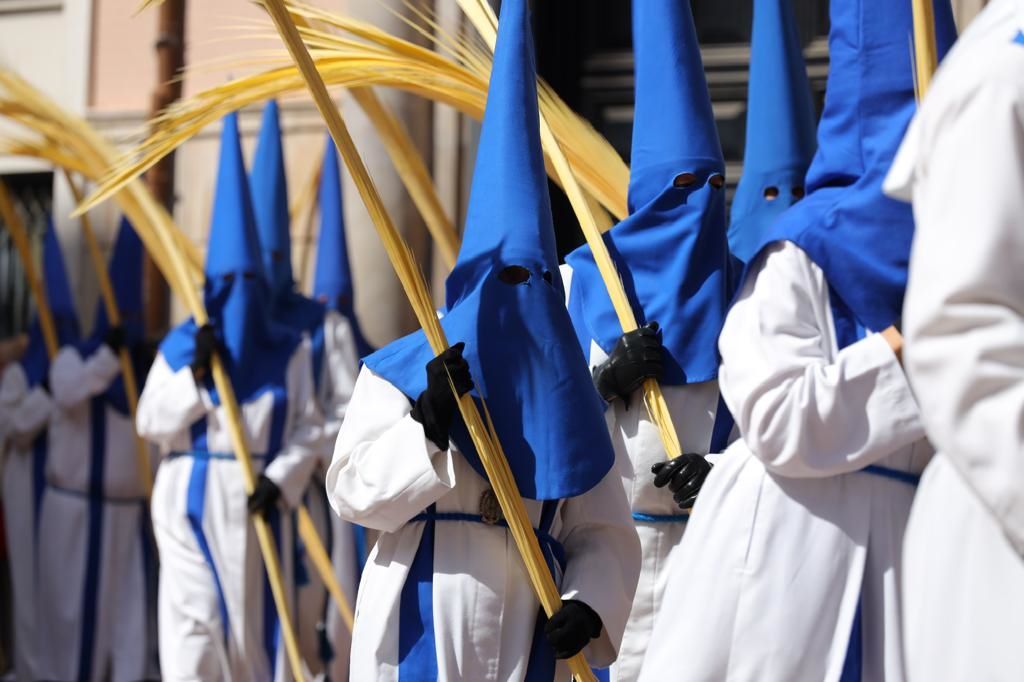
(125, 272)
(780, 127)
(505, 299)
(858, 236)
(332, 281)
(671, 251)
(270, 205)
(36, 362)
(236, 292)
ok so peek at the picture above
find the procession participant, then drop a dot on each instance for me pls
(332, 285)
(780, 128)
(675, 234)
(97, 570)
(216, 615)
(445, 594)
(25, 389)
(792, 559)
(334, 365)
(963, 583)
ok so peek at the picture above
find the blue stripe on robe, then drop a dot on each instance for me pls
(848, 331)
(195, 507)
(39, 455)
(94, 539)
(271, 624)
(417, 659)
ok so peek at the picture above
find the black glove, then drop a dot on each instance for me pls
(264, 497)
(571, 628)
(684, 475)
(114, 339)
(436, 406)
(638, 355)
(143, 355)
(206, 346)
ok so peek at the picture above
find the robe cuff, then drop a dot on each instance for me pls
(600, 652)
(892, 398)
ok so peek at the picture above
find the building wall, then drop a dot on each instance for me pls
(218, 34)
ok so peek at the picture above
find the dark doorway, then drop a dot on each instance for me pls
(585, 51)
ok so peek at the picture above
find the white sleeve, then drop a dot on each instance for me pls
(74, 379)
(340, 365)
(385, 470)
(23, 411)
(964, 316)
(31, 416)
(602, 553)
(170, 403)
(293, 466)
(802, 410)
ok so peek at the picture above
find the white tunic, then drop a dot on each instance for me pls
(659, 521)
(385, 472)
(26, 413)
(963, 164)
(788, 537)
(338, 366)
(192, 637)
(97, 563)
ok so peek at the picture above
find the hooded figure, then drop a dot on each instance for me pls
(217, 617)
(334, 373)
(336, 354)
(332, 280)
(26, 406)
(97, 572)
(444, 594)
(675, 234)
(270, 206)
(780, 128)
(819, 489)
(963, 324)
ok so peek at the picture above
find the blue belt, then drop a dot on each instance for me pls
(553, 545)
(203, 454)
(661, 518)
(893, 474)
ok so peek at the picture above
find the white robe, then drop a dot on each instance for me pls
(385, 472)
(192, 642)
(638, 447)
(339, 365)
(962, 162)
(788, 537)
(26, 415)
(97, 563)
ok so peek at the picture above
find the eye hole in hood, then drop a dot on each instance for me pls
(684, 180)
(514, 274)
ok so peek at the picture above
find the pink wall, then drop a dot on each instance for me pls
(124, 62)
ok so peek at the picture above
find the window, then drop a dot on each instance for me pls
(33, 197)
